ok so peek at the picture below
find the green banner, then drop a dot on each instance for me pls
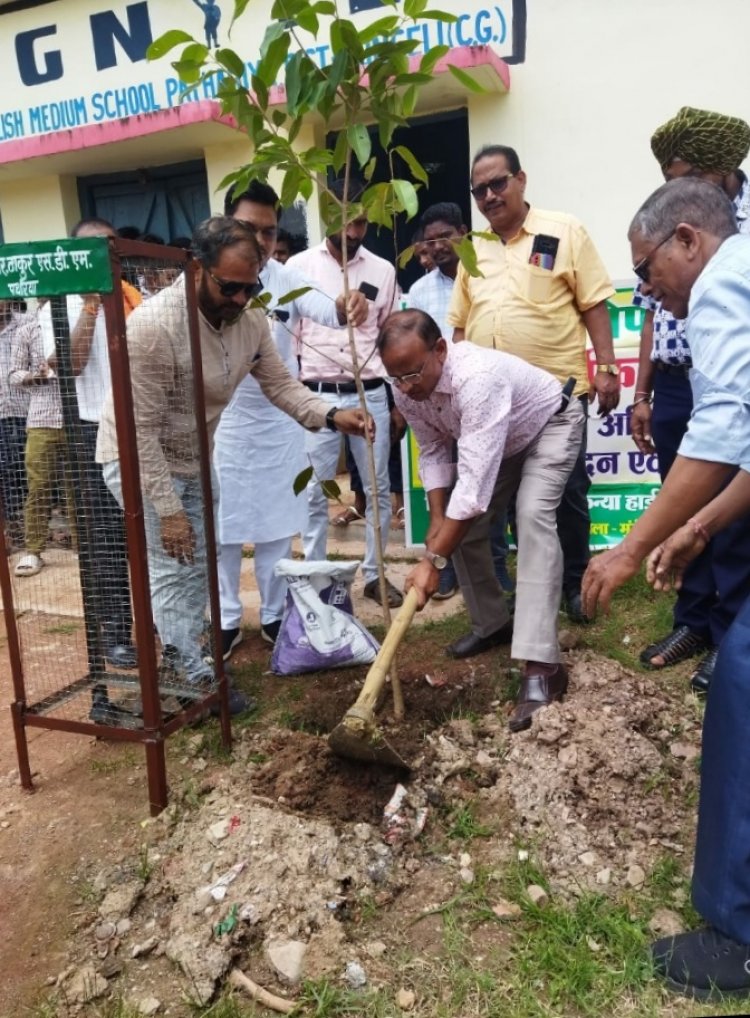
(53, 268)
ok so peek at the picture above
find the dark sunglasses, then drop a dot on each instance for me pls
(497, 185)
(643, 268)
(228, 288)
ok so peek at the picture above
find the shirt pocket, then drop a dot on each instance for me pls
(537, 287)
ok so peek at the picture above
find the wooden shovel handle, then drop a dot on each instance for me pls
(378, 672)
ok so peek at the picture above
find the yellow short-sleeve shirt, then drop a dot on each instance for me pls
(526, 309)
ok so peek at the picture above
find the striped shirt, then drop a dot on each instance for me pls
(45, 406)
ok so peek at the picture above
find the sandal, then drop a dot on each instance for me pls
(400, 523)
(28, 565)
(679, 645)
(349, 515)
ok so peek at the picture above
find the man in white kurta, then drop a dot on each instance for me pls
(259, 450)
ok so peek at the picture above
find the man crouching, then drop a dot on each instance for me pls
(517, 433)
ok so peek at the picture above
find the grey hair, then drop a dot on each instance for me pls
(213, 235)
(685, 200)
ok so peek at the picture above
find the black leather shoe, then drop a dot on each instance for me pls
(122, 655)
(574, 610)
(703, 964)
(700, 680)
(471, 644)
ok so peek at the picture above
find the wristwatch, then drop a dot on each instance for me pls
(610, 369)
(439, 561)
(330, 423)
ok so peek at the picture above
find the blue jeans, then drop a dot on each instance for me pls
(12, 466)
(179, 590)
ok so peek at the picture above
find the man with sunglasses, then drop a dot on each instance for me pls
(701, 274)
(517, 432)
(234, 341)
(544, 287)
(708, 146)
(259, 449)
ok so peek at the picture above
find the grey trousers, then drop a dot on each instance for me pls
(537, 476)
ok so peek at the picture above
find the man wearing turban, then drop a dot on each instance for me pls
(711, 146)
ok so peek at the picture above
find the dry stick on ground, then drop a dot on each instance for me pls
(398, 696)
(238, 978)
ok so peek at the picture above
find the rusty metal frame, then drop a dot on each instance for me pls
(156, 727)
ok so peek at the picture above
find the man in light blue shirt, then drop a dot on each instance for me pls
(688, 254)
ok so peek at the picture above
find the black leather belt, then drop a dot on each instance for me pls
(681, 370)
(567, 392)
(344, 388)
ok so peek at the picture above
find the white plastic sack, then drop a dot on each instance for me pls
(318, 629)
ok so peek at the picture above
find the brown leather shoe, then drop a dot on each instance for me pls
(537, 690)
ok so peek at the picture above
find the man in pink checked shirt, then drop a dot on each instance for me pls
(517, 432)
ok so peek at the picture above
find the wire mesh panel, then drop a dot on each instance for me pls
(109, 600)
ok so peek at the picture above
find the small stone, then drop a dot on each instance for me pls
(376, 948)
(593, 946)
(666, 923)
(144, 948)
(85, 984)
(587, 858)
(464, 860)
(112, 967)
(506, 909)
(635, 877)
(120, 901)
(5, 824)
(148, 1006)
(123, 927)
(568, 757)
(484, 760)
(287, 956)
(568, 639)
(604, 876)
(355, 975)
(362, 832)
(537, 895)
(218, 831)
(684, 751)
(466, 874)
(406, 999)
(523, 855)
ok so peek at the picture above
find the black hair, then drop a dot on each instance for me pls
(256, 191)
(411, 320)
(443, 212)
(184, 242)
(213, 235)
(151, 238)
(128, 232)
(285, 237)
(356, 187)
(509, 154)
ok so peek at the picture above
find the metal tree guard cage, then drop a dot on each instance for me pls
(70, 624)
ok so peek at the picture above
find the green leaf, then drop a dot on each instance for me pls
(359, 138)
(270, 65)
(293, 82)
(302, 480)
(431, 57)
(290, 186)
(383, 26)
(325, 7)
(466, 79)
(187, 71)
(278, 117)
(229, 60)
(261, 91)
(468, 256)
(413, 8)
(449, 19)
(417, 170)
(330, 489)
(196, 52)
(407, 196)
(370, 169)
(167, 42)
(340, 150)
(406, 256)
(308, 19)
(294, 294)
(239, 9)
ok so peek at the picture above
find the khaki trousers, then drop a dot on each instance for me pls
(537, 477)
(45, 462)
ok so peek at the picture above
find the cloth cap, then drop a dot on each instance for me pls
(707, 140)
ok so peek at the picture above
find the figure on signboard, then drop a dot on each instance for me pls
(212, 17)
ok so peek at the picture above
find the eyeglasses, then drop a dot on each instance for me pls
(407, 379)
(643, 268)
(497, 185)
(230, 288)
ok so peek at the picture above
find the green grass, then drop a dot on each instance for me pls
(465, 826)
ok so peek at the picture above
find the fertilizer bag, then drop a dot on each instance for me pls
(318, 629)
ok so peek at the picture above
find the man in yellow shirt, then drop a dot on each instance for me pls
(543, 288)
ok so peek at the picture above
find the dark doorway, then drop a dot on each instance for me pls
(164, 200)
(441, 144)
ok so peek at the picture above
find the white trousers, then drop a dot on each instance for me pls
(272, 588)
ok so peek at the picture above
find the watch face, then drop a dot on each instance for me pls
(439, 561)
